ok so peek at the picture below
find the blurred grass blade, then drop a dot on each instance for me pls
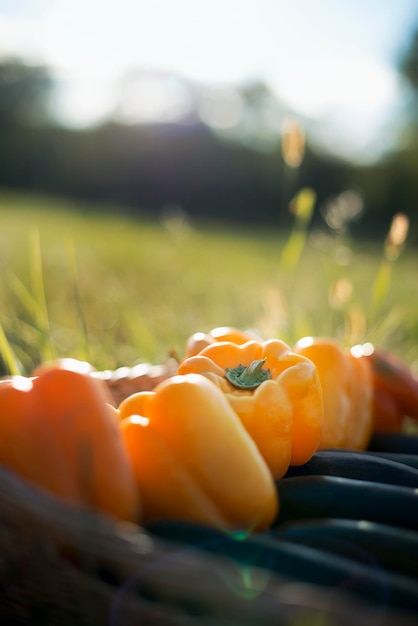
(38, 289)
(8, 355)
(36, 274)
(302, 206)
(26, 299)
(381, 285)
(78, 302)
(393, 247)
(387, 326)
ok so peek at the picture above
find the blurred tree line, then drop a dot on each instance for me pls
(147, 167)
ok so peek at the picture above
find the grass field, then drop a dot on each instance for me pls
(116, 290)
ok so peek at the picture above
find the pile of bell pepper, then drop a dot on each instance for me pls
(209, 443)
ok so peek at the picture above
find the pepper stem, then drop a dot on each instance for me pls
(248, 377)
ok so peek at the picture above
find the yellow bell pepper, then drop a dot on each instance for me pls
(275, 392)
(347, 389)
(193, 459)
(199, 340)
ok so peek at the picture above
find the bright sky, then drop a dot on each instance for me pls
(334, 61)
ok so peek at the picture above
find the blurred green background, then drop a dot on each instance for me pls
(171, 208)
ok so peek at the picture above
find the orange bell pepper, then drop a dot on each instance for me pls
(279, 403)
(347, 389)
(395, 389)
(193, 459)
(58, 432)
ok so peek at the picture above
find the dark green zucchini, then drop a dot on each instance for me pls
(367, 542)
(407, 459)
(295, 562)
(331, 496)
(405, 444)
(357, 465)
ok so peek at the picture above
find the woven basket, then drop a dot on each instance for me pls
(142, 377)
(61, 565)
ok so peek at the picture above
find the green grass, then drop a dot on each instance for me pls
(116, 290)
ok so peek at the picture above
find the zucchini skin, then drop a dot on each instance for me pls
(357, 465)
(296, 562)
(406, 444)
(400, 457)
(304, 497)
(393, 548)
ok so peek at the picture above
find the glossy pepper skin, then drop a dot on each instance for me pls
(347, 388)
(283, 413)
(193, 459)
(395, 389)
(199, 340)
(58, 432)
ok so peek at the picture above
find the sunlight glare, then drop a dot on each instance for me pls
(345, 207)
(362, 349)
(81, 102)
(139, 419)
(221, 108)
(305, 342)
(317, 89)
(21, 383)
(146, 97)
(322, 62)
